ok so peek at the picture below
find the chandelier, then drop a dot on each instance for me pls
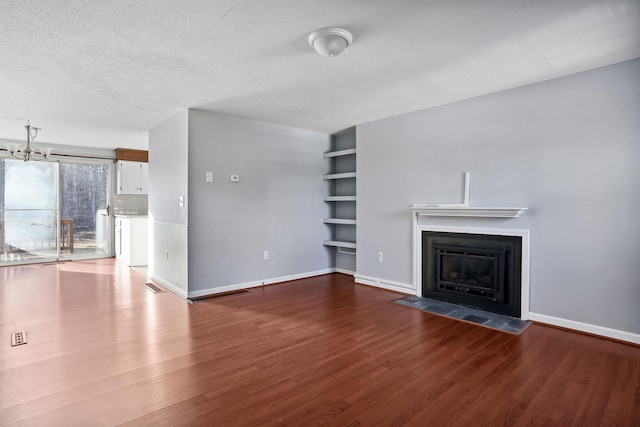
(29, 153)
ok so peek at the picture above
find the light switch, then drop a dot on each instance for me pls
(234, 178)
(182, 201)
(209, 177)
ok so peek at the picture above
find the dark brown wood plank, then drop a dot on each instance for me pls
(320, 351)
(132, 155)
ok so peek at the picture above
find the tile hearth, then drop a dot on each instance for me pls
(492, 320)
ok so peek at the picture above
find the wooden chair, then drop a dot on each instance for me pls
(66, 234)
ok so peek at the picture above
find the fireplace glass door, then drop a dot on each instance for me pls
(469, 271)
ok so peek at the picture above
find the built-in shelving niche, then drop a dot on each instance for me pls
(341, 196)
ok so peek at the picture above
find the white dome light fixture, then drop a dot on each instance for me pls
(330, 41)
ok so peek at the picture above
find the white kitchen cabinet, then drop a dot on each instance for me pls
(133, 177)
(132, 240)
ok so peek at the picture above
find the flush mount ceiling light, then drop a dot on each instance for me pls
(330, 41)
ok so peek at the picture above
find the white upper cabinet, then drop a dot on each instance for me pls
(144, 178)
(133, 177)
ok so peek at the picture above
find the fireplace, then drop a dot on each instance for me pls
(477, 270)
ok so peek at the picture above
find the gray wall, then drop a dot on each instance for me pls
(567, 148)
(276, 206)
(168, 147)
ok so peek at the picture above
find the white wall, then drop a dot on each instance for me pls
(168, 180)
(567, 148)
(276, 206)
(76, 134)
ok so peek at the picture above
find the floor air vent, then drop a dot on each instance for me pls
(153, 288)
(220, 295)
(18, 338)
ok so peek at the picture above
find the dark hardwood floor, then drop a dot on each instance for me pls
(104, 350)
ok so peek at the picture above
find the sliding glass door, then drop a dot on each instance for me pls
(84, 212)
(28, 211)
(54, 210)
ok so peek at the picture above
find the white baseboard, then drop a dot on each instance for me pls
(173, 288)
(343, 271)
(385, 284)
(256, 283)
(586, 327)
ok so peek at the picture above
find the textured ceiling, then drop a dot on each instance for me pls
(129, 65)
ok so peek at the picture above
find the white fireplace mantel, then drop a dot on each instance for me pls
(466, 211)
(463, 209)
(524, 234)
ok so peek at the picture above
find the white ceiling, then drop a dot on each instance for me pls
(125, 66)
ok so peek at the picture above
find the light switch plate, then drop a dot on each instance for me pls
(209, 177)
(181, 201)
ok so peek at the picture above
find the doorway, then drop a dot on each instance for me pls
(51, 211)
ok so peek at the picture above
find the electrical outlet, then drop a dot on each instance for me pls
(380, 256)
(234, 178)
(167, 255)
(266, 254)
(209, 177)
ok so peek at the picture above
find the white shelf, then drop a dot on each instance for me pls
(339, 244)
(340, 199)
(452, 211)
(340, 175)
(339, 153)
(339, 221)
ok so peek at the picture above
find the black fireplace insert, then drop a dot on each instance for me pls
(477, 270)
